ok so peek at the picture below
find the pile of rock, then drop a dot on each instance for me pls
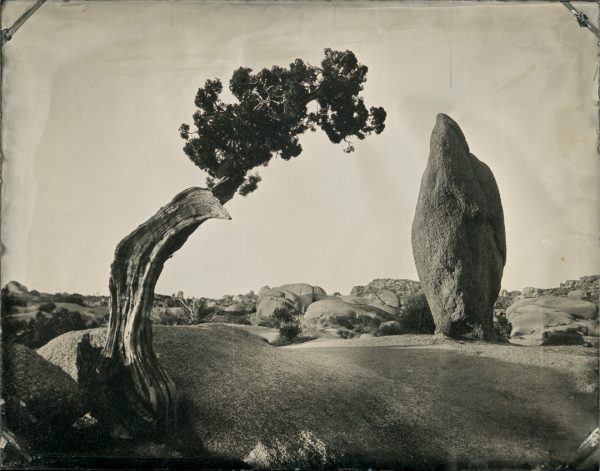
(586, 288)
(548, 320)
(294, 297)
(399, 287)
(336, 312)
(380, 303)
(320, 310)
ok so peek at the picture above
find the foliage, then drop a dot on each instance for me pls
(477, 332)
(391, 328)
(502, 327)
(283, 315)
(166, 316)
(287, 320)
(415, 314)
(367, 324)
(192, 311)
(10, 301)
(345, 333)
(47, 307)
(290, 330)
(344, 321)
(200, 314)
(274, 107)
(44, 327)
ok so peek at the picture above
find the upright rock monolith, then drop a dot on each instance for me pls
(458, 236)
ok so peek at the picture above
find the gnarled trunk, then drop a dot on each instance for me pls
(138, 262)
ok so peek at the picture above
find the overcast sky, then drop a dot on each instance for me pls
(94, 94)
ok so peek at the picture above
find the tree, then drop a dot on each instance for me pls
(274, 107)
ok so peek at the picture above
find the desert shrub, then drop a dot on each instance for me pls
(390, 328)
(166, 317)
(12, 329)
(202, 312)
(367, 324)
(502, 327)
(288, 322)
(10, 301)
(345, 333)
(344, 321)
(290, 330)
(40, 330)
(415, 315)
(477, 333)
(47, 307)
(170, 301)
(284, 315)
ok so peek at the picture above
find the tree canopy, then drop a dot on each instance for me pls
(274, 107)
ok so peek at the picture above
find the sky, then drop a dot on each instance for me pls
(94, 93)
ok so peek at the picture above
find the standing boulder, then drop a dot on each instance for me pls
(458, 235)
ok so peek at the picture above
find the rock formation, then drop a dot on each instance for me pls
(458, 234)
(335, 312)
(295, 297)
(41, 401)
(400, 287)
(552, 320)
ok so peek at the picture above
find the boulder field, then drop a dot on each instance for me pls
(322, 310)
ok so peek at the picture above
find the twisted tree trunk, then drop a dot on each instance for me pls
(130, 362)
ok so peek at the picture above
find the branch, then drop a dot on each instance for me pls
(582, 19)
(8, 33)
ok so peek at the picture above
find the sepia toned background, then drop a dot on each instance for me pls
(94, 94)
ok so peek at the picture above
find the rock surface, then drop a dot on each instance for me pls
(458, 234)
(42, 401)
(548, 320)
(530, 292)
(586, 288)
(295, 297)
(335, 312)
(399, 287)
(61, 351)
(303, 288)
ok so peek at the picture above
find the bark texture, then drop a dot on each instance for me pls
(138, 262)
